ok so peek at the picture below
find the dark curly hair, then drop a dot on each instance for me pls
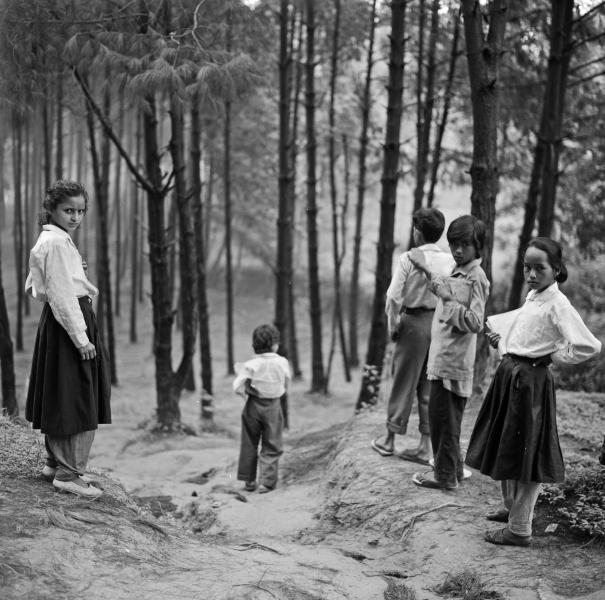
(264, 337)
(467, 227)
(554, 253)
(430, 222)
(57, 193)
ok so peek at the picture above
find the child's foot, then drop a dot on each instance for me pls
(381, 449)
(250, 486)
(263, 489)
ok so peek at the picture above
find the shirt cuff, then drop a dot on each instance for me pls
(79, 339)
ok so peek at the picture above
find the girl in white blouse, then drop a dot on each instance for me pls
(515, 439)
(69, 386)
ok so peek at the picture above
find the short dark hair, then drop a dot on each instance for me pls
(430, 222)
(467, 227)
(554, 253)
(57, 193)
(264, 337)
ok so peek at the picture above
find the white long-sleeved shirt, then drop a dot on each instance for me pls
(547, 324)
(269, 374)
(409, 286)
(56, 276)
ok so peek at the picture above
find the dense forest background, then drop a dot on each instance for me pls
(291, 141)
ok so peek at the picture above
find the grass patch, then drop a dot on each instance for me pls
(468, 586)
(21, 449)
(399, 591)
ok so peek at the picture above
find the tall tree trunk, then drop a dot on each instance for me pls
(187, 256)
(18, 223)
(484, 57)
(27, 194)
(337, 321)
(7, 361)
(195, 157)
(135, 228)
(361, 190)
(47, 135)
(59, 148)
(317, 369)
(117, 200)
(283, 279)
(227, 190)
(447, 97)
(3, 211)
(372, 370)
(546, 155)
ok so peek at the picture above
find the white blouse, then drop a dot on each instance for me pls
(547, 324)
(268, 372)
(56, 276)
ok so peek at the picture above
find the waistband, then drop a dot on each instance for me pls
(416, 310)
(529, 359)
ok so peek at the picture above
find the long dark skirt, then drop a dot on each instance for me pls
(66, 394)
(515, 436)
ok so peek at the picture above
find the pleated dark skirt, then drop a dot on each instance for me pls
(66, 394)
(515, 436)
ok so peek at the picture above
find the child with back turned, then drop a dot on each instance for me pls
(263, 380)
(457, 320)
(515, 439)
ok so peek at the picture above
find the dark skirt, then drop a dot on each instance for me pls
(66, 394)
(515, 436)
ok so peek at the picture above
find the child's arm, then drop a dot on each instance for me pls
(579, 343)
(469, 320)
(435, 282)
(394, 295)
(242, 378)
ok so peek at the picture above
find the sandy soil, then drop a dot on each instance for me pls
(344, 523)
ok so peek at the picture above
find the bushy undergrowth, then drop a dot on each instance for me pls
(467, 585)
(580, 501)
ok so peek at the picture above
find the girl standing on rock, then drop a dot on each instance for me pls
(69, 388)
(515, 439)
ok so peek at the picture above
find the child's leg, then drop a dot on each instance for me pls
(70, 453)
(445, 415)
(522, 498)
(271, 444)
(250, 436)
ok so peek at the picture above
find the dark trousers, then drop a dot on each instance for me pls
(262, 422)
(445, 417)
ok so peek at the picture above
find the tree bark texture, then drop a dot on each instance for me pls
(18, 224)
(372, 371)
(317, 368)
(7, 360)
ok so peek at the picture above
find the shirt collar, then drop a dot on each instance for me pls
(430, 246)
(544, 295)
(467, 268)
(55, 229)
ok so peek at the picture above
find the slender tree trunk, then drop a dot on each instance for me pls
(47, 135)
(227, 186)
(546, 154)
(59, 148)
(206, 400)
(117, 199)
(18, 224)
(7, 362)
(337, 322)
(372, 370)
(283, 261)
(135, 228)
(447, 98)
(3, 211)
(484, 57)
(317, 369)
(27, 193)
(187, 256)
(361, 190)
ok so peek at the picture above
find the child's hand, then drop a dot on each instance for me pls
(493, 338)
(444, 292)
(87, 352)
(85, 266)
(417, 258)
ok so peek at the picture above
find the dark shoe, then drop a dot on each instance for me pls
(500, 516)
(427, 480)
(505, 537)
(381, 449)
(250, 486)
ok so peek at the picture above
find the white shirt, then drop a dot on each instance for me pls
(269, 374)
(56, 276)
(409, 286)
(547, 324)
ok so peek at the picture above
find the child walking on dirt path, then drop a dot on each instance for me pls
(457, 320)
(515, 439)
(263, 380)
(409, 307)
(69, 385)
